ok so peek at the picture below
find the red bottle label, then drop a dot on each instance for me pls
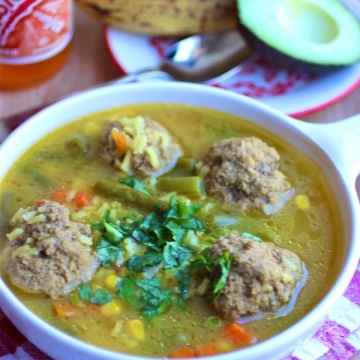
(33, 30)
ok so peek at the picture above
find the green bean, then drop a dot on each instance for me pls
(79, 143)
(185, 166)
(125, 193)
(39, 177)
(213, 323)
(6, 199)
(191, 186)
(75, 299)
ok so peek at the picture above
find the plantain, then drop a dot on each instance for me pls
(164, 17)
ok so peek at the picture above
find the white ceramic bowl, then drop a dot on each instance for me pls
(335, 147)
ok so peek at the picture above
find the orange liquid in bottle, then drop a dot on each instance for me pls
(14, 77)
(35, 40)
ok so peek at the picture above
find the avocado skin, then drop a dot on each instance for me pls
(280, 59)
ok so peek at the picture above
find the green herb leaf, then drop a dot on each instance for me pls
(175, 254)
(108, 253)
(145, 295)
(135, 184)
(138, 263)
(222, 262)
(99, 297)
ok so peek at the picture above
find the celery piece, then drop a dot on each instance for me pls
(191, 186)
(185, 166)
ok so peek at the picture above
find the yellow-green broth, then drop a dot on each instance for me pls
(311, 234)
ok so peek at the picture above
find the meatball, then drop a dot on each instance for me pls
(243, 171)
(49, 252)
(139, 146)
(262, 276)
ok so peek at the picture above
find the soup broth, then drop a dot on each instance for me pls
(307, 225)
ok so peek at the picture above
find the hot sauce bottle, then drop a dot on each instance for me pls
(35, 37)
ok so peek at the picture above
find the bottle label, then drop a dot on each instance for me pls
(33, 30)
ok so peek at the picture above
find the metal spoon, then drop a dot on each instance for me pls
(194, 59)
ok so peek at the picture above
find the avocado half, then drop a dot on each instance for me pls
(310, 35)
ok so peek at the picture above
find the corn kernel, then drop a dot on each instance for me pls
(136, 329)
(302, 202)
(111, 308)
(223, 346)
(110, 281)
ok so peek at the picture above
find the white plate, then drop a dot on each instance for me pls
(294, 93)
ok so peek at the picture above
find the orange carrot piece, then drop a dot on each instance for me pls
(120, 141)
(82, 199)
(238, 334)
(184, 353)
(60, 195)
(206, 350)
(64, 309)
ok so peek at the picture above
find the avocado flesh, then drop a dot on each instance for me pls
(310, 35)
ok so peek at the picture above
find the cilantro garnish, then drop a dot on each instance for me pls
(145, 295)
(100, 296)
(135, 184)
(222, 265)
(108, 253)
(139, 263)
(162, 231)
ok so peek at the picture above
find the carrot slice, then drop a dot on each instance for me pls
(184, 353)
(82, 199)
(238, 334)
(64, 309)
(120, 141)
(60, 195)
(206, 350)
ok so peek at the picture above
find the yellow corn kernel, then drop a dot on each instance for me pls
(110, 281)
(136, 329)
(223, 346)
(302, 202)
(111, 308)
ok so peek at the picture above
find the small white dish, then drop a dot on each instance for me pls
(293, 93)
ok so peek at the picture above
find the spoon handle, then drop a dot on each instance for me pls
(11, 122)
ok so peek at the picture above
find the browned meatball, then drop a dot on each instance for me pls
(243, 171)
(149, 148)
(262, 277)
(48, 253)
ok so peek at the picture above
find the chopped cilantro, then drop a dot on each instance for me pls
(108, 253)
(135, 184)
(145, 295)
(139, 263)
(100, 296)
(175, 254)
(162, 232)
(223, 263)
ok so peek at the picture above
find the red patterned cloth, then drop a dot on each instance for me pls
(337, 339)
